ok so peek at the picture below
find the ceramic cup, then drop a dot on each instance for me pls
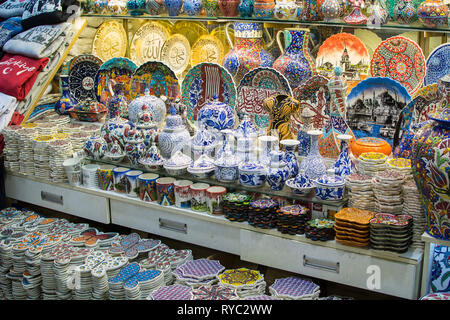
(120, 180)
(147, 187)
(72, 164)
(75, 178)
(164, 191)
(182, 193)
(89, 172)
(198, 194)
(132, 186)
(214, 200)
(105, 177)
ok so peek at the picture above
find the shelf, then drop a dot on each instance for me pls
(429, 239)
(417, 26)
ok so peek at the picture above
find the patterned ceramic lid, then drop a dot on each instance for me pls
(227, 159)
(203, 164)
(331, 180)
(178, 160)
(252, 167)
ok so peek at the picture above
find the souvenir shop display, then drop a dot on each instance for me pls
(263, 213)
(236, 206)
(352, 227)
(360, 191)
(391, 232)
(371, 163)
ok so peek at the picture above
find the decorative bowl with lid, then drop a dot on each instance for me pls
(115, 153)
(227, 167)
(95, 147)
(174, 134)
(152, 158)
(330, 187)
(252, 174)
(202, 168)
(177, 164)
(218, 115)
(155, 105)
(301, 184)
(89, 111)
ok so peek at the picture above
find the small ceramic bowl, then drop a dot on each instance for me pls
(300, 185)
(202, 168)
(252, 174)
(330, 188)
(115, 158)
(150, 164)
(177, 164)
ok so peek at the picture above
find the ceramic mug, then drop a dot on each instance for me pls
(214, 200)
(105, 177)
(182, 193)
(198, 193)
(120, 180)
(132, 186)
(147, 186)
(72, 164)
(89, 172)
(164, 191)
(75, 178)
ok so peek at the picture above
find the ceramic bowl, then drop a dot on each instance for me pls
(150, 164)
(226, 173)
(252, 174)
(201, 173)
(330, 188)
(300, 185)
(115, 158)
(177, 164)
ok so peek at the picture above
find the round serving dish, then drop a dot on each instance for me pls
(300, 185)
(330, 188)
(252, 174)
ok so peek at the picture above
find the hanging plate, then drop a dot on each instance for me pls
(147, 42)
(82, 72)
(110, 41)
(176, 52)
(207, 49)
(438, 64)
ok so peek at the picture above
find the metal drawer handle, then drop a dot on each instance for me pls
(51, 197)
(173, 225)
(314, 263)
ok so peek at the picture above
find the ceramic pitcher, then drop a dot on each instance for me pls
(248, 51)
(295, 63)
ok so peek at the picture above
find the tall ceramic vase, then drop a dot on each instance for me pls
(289, 156)
(295, 63)
(247, 51)
(313, 165)
(311, 11)
(344, 165)
(66, 102)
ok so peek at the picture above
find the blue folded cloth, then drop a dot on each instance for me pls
(9, 28)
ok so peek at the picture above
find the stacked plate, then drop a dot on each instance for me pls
(214, 292)
(59, 121)
(292, 219)
(236, 206)
(390, 232)
(401, 165)
(32, 278)
(73, 127)
(262, 297)
(172, 292)
(47, 128)
(388, 191)
(5, 266)
(41, 156)
(78, 139)
(263, 213)
(320, 229)
(11, 150)
(370, 163)
(412, 205)
(246, 282)
(352, 226)
(26, 155)
(360, 191)
(92, 129)
(293, 288)
(59, 150)
(195, 273)
(16, 278)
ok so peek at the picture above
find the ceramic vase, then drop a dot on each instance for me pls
(217, 115)
(277, 172)
(245, 8)
(404, 12)
(211, 7)
(263, 9)
(356, 16)
(280, 108)
(433, 13)
(331, 10)
(136, 7)
(379, 16)
(173, 7)
(313, 165)
(295, 63)
(344, 166)
(430, 166)
(65, 103)
(173, 136)
(289, 156)
(229, 8)
(303, 137)
(247, 51)
(311, 11)
(285, 9)
(118, 104)
(134, 147)
(192, 7)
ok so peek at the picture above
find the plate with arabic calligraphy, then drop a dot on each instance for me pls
(207, 49)
(82, 72)
(200, 85)
(176, 52)
(158, 78)
(110, 41)
(117, 69)
(192, 30)
(147, 42)
(257, 85)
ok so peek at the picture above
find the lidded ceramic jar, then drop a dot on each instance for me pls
(204, 141)
(433, 13)
(178, 163)
(116, 130)
(330, 187)
(115, 153)
(146, 125)
(252, 174)
(95, 147)
(285, 9)
(152, 158)
(203, 167)
(155, 105)
(134, 146)
(226, 169)
(216, 114)
(174, 134)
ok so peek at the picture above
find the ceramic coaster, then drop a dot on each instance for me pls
(294, 288)
(214, 292)
(201, 268)
(132, 245)
(241, 277)
(173, 292)
(92, 238)
(262, 297)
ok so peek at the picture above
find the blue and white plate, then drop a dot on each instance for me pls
(438, 64)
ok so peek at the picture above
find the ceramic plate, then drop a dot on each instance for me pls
(176, 52)
(438, 64)
(118, 69)
(82, 72)
(147, 42)
(207, 49)
(204, 81)
(157, 77)
(400, 59)
(110, 41)
(192, 30)
(257, 85)
(374, 107)
(220, 34)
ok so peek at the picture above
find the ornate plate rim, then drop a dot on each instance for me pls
(103, 26)
(435, 51)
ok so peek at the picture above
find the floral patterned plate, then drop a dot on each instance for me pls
(82, 72)
(354, 215)
(438, 64)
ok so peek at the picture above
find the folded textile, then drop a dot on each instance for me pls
(37, 42)
(8, 104)
(12, 8)
(18, 74)
(45, 12)
(9, 28)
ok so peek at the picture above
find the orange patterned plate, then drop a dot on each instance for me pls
(352, 243)
(354, 215)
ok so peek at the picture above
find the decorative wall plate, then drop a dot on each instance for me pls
(110, 40)
(117, 69)
(82, 72)
(257, 85)
(147, 42)
(241, 277)
(157, 77)
(192, 30)
(202, 82)
(438, 64)
(346, 51)
(176, 52)
(374, 107)
(400, 59)
(207, 49)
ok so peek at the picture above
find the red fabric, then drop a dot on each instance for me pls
(18, 74)
(16, 119)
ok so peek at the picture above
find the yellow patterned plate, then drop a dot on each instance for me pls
(147, 42)
(207, 49)
(240, 277)
(190, 29)
(399, 163)
(372, 156)
(176, 53)
(110, 41)
(219, 33)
